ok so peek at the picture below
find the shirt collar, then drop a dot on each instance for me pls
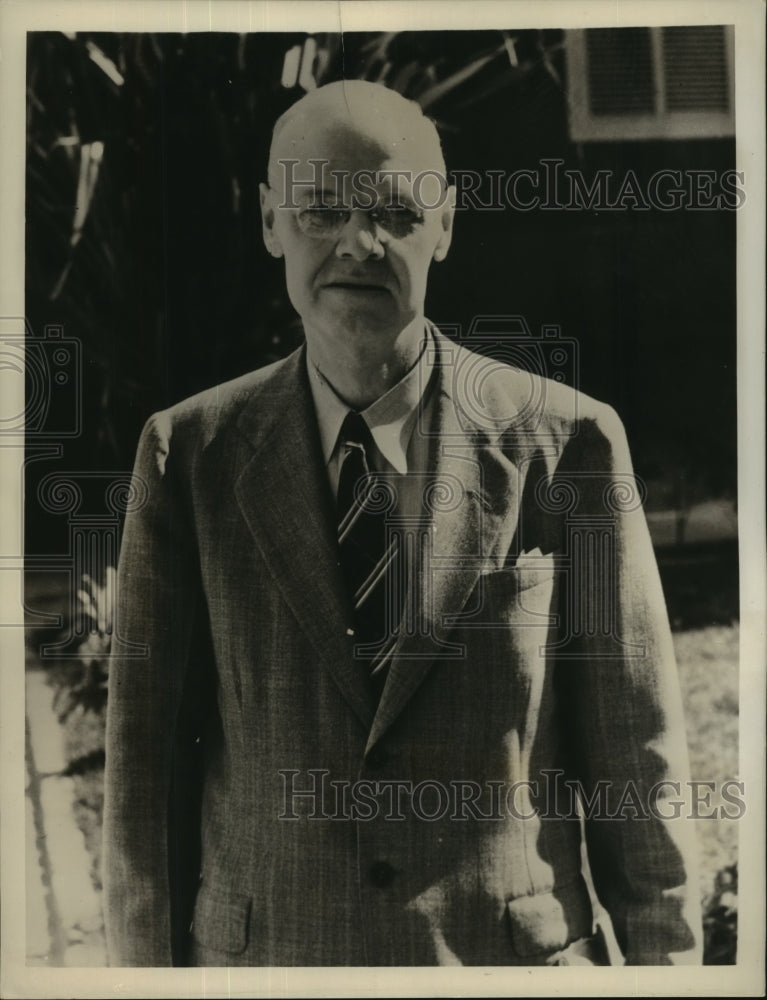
(391, 417)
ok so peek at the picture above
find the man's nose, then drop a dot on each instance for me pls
(360, 237)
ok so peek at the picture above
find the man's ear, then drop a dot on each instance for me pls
(271, 240)
(446, 236)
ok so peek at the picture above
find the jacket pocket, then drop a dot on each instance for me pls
(549, 921)
(221, 919)
(526, 572)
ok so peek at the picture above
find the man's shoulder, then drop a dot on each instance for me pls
(519, 398)
(205, 413)
(227, 398)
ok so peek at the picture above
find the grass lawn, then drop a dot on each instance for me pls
(708, 672)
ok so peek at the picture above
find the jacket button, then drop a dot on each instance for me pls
(377, 758)
(382, 874)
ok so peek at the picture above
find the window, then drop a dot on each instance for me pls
(650, 83)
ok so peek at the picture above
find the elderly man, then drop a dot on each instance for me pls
(404, 634)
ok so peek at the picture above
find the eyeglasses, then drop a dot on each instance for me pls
(327, 221)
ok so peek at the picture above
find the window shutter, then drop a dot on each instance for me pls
(620, 71)
(695, 68)
(650, 83)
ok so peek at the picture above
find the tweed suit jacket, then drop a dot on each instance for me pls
(263, 809)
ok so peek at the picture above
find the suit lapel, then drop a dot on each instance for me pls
(283, 492)
(474, 494)
(284, 495)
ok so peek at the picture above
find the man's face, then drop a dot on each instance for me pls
(357, 237)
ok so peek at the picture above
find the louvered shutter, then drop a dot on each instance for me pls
(650, 83)
(695, 69)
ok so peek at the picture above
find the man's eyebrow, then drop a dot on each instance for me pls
(318, 194)
(308, 197)
(399, 198)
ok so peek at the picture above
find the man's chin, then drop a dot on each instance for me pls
(361, 314)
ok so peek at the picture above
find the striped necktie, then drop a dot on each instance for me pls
(369, 550)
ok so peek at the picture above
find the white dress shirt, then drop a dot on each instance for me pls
(399, 422)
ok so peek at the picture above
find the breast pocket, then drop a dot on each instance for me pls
(520, 594)
(532, 570)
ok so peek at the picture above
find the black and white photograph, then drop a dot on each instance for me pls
(383, 471)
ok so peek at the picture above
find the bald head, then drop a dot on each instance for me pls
(381, 124)
(358, 206)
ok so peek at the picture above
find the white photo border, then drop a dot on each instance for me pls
(17, 17)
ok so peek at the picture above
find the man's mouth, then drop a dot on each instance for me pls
(357, 286)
